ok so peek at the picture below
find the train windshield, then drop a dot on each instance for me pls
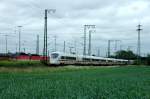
(54, 55)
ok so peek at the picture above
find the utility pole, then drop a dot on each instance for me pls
(6, 41)
(1, 33)
(121, 47)
(109, 44)
(89, 50)
(23, 44)
(37, 45)
(108, 48)
(24, 49)
(45, 34)
(116, 46)
(6, 44)
(64, 47)
(16, 47)
(139, 44)
(19, 38)
(84, 49)
(45, 38)
(75, 46)
(98, 52)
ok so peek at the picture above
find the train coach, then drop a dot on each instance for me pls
(58, 58)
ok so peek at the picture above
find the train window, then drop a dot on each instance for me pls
(68, 58)
(55, 55)
(95, 59)
(110, 60)
(103, 60)
(86, 59)
(71, 58)
(63, 57)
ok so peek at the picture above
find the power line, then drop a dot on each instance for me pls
(33, 4)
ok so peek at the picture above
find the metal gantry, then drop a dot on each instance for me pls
(89, 28)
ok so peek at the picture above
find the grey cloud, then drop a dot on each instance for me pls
(113, 19)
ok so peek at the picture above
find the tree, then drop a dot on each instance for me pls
(148, 59)
(125, 55)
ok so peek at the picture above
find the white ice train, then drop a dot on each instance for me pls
(58, 58)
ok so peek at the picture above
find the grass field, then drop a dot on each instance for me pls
(71, 82)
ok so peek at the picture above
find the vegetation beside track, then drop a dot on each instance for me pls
(20, 64)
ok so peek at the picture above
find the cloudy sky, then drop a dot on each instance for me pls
(114, 20)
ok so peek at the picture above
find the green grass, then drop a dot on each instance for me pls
(76, 83)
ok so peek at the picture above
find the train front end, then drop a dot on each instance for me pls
(54, 58)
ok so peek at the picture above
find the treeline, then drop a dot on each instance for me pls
(129, 55)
